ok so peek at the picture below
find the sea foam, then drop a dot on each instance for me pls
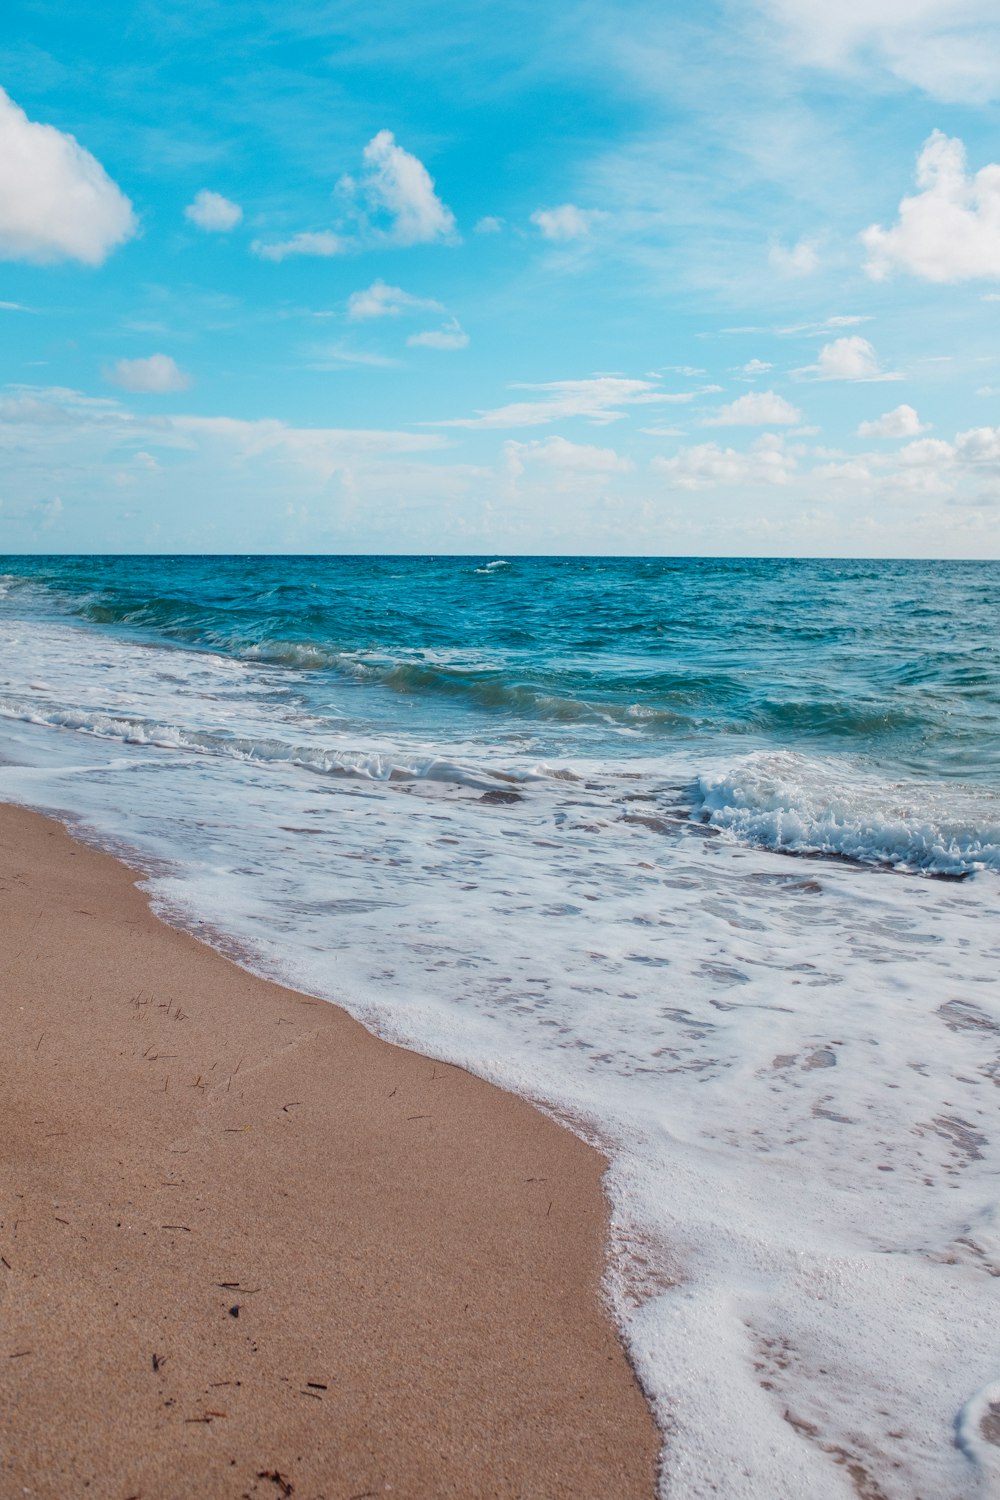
(792, 1062)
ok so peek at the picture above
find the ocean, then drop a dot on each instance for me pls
(701, 855)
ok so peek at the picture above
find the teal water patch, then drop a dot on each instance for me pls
(894, 662)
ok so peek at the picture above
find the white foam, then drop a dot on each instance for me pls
(794, 1062)
(786, 801)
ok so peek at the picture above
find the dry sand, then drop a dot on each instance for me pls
(250, 1250)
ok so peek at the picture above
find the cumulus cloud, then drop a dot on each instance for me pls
(566, 222)
(707, 465)
(950, 230)
(757, 409)
(56, 200)
(850, 358)
(395, 185)
(489, 224)
(391, 201)
(598, 399)
(158, 374)
(383, 301)
(213, 213)
(321, 242)
(800, 259)
(757, 367)
(450, 335)
(899, 423)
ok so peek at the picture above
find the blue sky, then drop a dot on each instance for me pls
(579, 278)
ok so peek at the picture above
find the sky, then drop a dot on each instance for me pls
(580, 278)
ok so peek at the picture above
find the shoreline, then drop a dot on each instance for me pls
(247, 1245)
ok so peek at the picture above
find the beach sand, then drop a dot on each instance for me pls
(250, 1250)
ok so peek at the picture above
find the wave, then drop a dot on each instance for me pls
(789, 803)
(368, 765)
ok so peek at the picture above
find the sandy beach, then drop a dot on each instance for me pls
(250, 1250)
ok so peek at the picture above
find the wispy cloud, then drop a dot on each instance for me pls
(335, 356)
(825, 325)
(600, 399)
(950, 50)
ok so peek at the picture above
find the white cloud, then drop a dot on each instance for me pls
(707, 465)
(56, 200)
(846, 320)
(850, 358)
(800, 259)
(489, 224)
(566, 222)
(950, 230)
(756, 409)
(215, 469)
(322, 242)
(320, 450)
(930, 452)
(599, 399)
(901, 422)
(757, 367)
(450, 335)
(213, 213)
(949, 48)
(559, 454)
(335, 356)
(979, 447)
(157, 374)
(395, 183)
(383, 301)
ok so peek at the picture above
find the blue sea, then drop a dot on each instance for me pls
(701, 855)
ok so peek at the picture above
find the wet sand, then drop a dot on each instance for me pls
(250, 1250)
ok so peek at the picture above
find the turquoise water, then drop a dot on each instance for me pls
(657, 843)
(897, 663)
